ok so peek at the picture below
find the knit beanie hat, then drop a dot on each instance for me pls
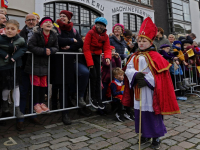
(36, 14)
(164, 45)
(45, 19)
(67, 13)
(177, 42)
(118, 24)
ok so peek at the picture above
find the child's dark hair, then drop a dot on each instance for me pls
(117, 71)
(82, 36)
(12, 21)
(127, 32)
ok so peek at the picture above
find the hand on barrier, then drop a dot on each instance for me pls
(185, 63)
(65, 48)
(175, 58)
(12, 60)
(189, 66)
(75, 41)
(6, 56)
(116, 55)
(108, 61)
(48, 52)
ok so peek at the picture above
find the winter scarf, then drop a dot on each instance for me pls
(30, 32)
(64, 26)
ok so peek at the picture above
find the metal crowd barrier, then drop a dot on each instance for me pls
(48, 96)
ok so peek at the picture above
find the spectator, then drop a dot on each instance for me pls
(2, 23)
(3, 10)
(128, 40)
(37, 17)
(96, 40)
(25, 84)
(12, 47)
(160, 40)
(42, 44)
(193, 36)
(116, 62)
(117, 40)
(171, 38)
(69, 41)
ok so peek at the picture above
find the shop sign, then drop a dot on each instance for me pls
(131, 9)
(94, 3)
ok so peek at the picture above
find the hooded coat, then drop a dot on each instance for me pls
(37, 46)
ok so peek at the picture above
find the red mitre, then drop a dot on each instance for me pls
(148, 29)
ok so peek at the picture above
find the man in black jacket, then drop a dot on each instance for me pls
(26, 33)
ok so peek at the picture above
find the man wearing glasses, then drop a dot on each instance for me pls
(26, 33)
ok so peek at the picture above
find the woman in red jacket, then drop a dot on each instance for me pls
(96, 40)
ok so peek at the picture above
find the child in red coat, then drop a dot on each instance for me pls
(96, 40)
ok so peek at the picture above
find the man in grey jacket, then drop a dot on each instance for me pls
(160, 40)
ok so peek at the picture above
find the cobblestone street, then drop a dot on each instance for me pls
(105, 132)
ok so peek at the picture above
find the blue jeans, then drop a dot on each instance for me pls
(83, 77)
(24, 88)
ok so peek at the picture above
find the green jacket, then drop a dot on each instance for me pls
(14, 47)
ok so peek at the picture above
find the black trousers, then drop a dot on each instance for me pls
(95, 77)
(55, 88)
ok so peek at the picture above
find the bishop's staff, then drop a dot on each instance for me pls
(140, 123)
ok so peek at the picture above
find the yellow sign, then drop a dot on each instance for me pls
(190, 52)
(198, 68)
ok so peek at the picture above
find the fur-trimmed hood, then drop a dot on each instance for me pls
(39, 30)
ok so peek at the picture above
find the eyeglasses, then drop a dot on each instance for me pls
(63, 16)
(29, 20)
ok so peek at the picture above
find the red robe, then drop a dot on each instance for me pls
(164, 98)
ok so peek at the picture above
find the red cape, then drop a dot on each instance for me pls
(164, 98)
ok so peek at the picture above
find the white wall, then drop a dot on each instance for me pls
(195, 18)
(106, 8)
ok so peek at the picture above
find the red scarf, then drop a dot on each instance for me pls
(64, 26)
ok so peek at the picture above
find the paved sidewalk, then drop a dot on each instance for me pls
(105, 132)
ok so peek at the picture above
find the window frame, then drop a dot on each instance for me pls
(136, 21)
(79, 24)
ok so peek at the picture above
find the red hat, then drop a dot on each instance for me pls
(67, 13)
(148, 29)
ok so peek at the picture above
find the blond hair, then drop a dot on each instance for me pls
(14, 22)
(117, 71)
(4, 9)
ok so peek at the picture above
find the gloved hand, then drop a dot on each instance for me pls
(141, 83)
(139, 75)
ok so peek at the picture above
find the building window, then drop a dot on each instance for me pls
(83, 17)
(115, 19)
(132, 22)
(179, 16)
(147, 2)
(133, 0)
(179, 10)
(180, 28)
